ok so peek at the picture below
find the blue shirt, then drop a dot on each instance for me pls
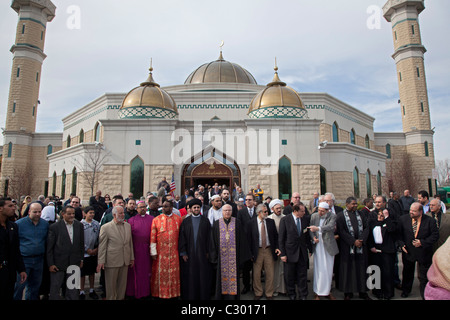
(32, 237)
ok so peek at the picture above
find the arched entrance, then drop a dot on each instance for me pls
(209, 171)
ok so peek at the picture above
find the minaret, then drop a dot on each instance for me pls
(415, 110)
(23, 100)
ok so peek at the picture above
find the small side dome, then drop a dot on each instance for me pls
(277, 101)
(148, 101)
(220, 71)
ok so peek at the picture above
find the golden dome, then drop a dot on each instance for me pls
(148, 101)
(220, 71)
(277, 100)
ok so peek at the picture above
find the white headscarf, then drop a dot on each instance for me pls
(274, 202)
(324, 205)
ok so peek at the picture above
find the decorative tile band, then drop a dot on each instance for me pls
(146, 112)
(279, 112)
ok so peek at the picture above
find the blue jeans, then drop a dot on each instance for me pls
(34, 267)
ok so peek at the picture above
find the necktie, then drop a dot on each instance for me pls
(414, 227)
(263, 235)
(435, 216)
(298, 226)
(250, 211)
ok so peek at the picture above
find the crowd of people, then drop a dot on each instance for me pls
(216, 243)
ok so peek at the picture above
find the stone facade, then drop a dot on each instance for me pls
(413, 94)
(340, 184)
(306, 180)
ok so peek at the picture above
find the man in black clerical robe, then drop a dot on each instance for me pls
(193, 246)
(353, 233)
(228, 234)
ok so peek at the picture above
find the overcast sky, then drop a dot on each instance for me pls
(342, 48)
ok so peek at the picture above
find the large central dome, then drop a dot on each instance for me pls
(220, 71)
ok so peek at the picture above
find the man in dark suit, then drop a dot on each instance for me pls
(226, 198)
(184, 199)
(244, 216)
(65, 248)
(294, 242)
(99, 204)
(395, 205)
(262, 237)
(418, 233)
(331, 200)
(11, 261)
(382, 225)
(204, 207)
(368, 206)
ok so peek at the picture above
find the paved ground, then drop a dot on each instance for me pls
(415, 294)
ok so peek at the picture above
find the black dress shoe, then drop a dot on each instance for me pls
(292, 297)
(245, 290)
(405, 295)
(257, 298)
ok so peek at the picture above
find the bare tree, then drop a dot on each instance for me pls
(20, 182)
(400, 175)
(443, 171)
(90, 166)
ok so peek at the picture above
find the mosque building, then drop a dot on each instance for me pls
(219, 126)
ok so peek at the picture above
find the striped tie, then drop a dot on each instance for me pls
(414, 227)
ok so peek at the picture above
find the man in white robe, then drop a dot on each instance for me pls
(279, 285)
(321, 229)
(215, 212)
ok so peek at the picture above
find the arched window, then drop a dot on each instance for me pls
(74, 180)
(68, 141)
(379, 183)
(49, 149)
(352, 136)
(81, 136)
(427, 152)
(10, 145)
(367, 142)
(323, 180)
(388, 151)
(137, 177)
(54, 184)
(97, 132)
(335, 132)
(368, 184)
(284, 178)
(356, 182)
(63, 184)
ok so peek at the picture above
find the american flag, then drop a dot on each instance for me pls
(172, 186)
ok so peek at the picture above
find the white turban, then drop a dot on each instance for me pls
(214, 197)
(324, 205)
(274, 202)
